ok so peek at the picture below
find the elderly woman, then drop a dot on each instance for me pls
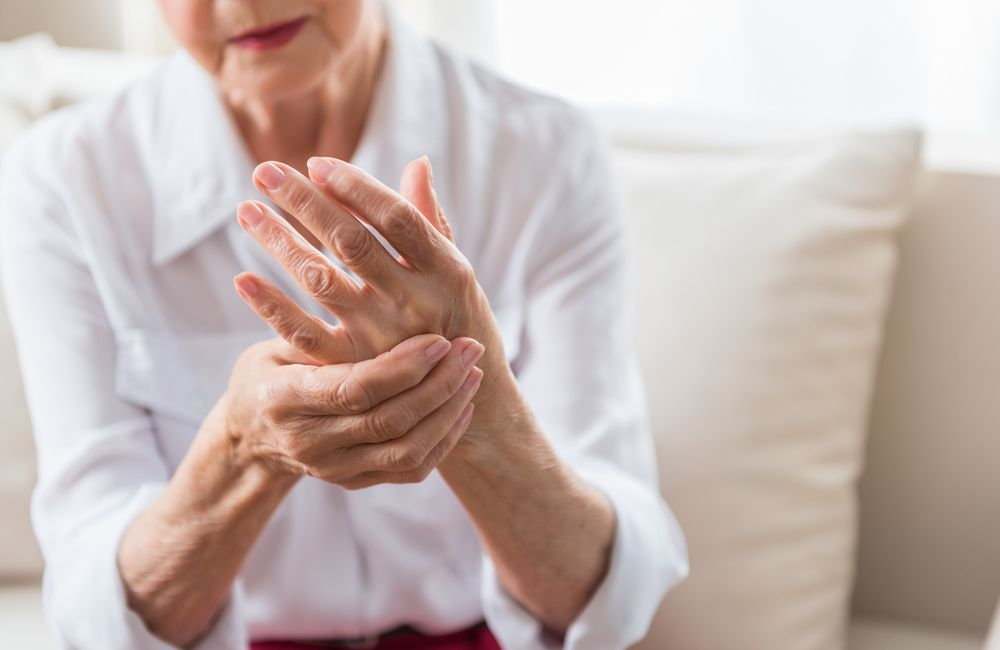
(444, 446)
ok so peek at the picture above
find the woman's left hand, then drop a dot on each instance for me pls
(517, 491)
(429, 288)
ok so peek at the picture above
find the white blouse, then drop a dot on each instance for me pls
(119, 245)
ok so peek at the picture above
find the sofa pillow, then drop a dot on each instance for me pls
(763, 266)
(993, 641)
(26, 74)
(23, 95)
(20, 558)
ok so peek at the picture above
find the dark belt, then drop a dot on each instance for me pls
(367, 642)
(363, 642)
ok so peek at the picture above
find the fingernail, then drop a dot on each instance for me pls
(270, 176)
(320, 167)
(472, 354)
(437, 350)
(246, 286)
(249, 214)
(472, 381)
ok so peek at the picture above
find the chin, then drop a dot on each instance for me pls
(289, 71)
(283, 82)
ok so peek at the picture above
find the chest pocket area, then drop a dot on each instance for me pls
(177, 378)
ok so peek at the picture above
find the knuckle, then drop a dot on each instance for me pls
(354, 244)
(399, 218)
(268, 310)
(342, 184)
(379, 425)
(270, 234)
(300, 198)
(320, 280)
(282, 244)
(405, 458)
(304, 340)
(414, 457)
(352, 396)
(402, 418)
(388, 424)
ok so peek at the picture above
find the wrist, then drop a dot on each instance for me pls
(500, 412)
(232, 455)
(502, 437)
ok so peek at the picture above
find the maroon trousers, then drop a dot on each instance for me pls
(477, 637)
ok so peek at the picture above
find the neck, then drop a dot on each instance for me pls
(326, 119)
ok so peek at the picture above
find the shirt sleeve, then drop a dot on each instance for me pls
(580, 376)
(99, 465)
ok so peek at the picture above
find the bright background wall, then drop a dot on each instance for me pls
(934, 62)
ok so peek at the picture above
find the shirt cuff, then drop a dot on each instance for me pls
(85, 599)
(648, 558)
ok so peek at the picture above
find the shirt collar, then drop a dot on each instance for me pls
(203, 169)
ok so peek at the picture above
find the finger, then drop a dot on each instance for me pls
(415, 186)
(442, 219)
(409, 454)
(333, 225)
(392, 215)
(310, 269)
(330, 286)
(355, 438)
(433, 459)
(353, 389)
(309, 335)
(396, 416)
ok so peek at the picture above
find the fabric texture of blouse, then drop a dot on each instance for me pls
(118, 244)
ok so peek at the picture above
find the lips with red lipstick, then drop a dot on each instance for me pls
(270, 36)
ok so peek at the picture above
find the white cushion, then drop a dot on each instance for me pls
(12, 123)
(24, 90)
(763, 269)
(993, 642)
(874, 634)
(21, 617)
(20, 557)
(19, 100)
(26, 80)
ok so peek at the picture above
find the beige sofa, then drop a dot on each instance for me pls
(927, 556)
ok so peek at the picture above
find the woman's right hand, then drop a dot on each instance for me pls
(390, 419)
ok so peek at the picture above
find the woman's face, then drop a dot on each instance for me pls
(267, 48)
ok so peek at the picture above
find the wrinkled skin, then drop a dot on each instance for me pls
(390, 419)
(429, 288)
